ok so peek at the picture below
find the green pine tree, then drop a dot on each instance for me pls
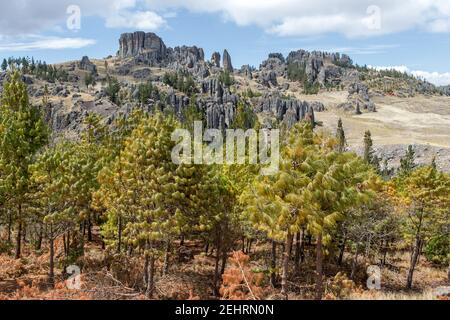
(23, 133)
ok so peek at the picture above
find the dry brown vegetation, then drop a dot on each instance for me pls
(109, 277)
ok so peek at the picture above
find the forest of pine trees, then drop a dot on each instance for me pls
(326, 205)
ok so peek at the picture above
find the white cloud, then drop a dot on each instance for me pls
(439, 79)
(30, 16)
(436, 78)
(365, 50)
(146, 20)
(353, 18)
(46, 43)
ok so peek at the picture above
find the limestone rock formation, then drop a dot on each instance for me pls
(186, 56)
(270, 79)
(275, 63)
(286, 110)
(321, 67)
(145, 46)
(215, 59)
(227, 64)
(247, 72)
(358, 100)
(87, 65)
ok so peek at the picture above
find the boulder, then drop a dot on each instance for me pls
(87, 65)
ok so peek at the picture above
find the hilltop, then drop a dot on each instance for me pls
(322, 87)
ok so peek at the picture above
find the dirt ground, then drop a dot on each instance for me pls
(192, 277)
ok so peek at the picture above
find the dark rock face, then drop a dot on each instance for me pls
(215, 59)
(87, 65)
(219, 106)
(246, 71)
(318, 106)
(288, 111)
(270, 79)
(227, 65)
(186, 56)
(191, 59)
(275, 63)
(278, 56)
(146, 46)
(317, 64)
(142, 74)
(445, 90)
(358, 100)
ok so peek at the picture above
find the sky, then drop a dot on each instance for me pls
(408, 35)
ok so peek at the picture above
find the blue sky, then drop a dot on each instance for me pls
(413, 36)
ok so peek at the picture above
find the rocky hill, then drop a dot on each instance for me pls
(314, 86)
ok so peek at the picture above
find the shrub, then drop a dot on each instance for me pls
(437, 251)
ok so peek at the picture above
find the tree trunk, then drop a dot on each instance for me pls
(39, 239)
(299, 251)
(165, 270)
(216, 268)
(273, 264)
(68, 243)
(355, 263)
(65, 245)
(89, 228)
(19, 240)
(10, 223)
(319, 268)
(286, 258)
(385, 251)
(182, 240)
(206, 249)
(51, 274)
(249, 246)
(414, 259)
(224, 261)
(146, 264)
(342, 251)
(24, 233)
(368, 246)
(151, 276)
(119, 233)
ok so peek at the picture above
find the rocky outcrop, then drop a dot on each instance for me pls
(227, 64)
(286, 110)
(219, 104)
(186, 56)
(321, 67)
(142, 74)
(424, 155)
(87, 65)
(247, 72)
(317, 106)
(147, 47)
(358, 100)
(445, 90)
(270, 79)
(275, 63)
(215, 59)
